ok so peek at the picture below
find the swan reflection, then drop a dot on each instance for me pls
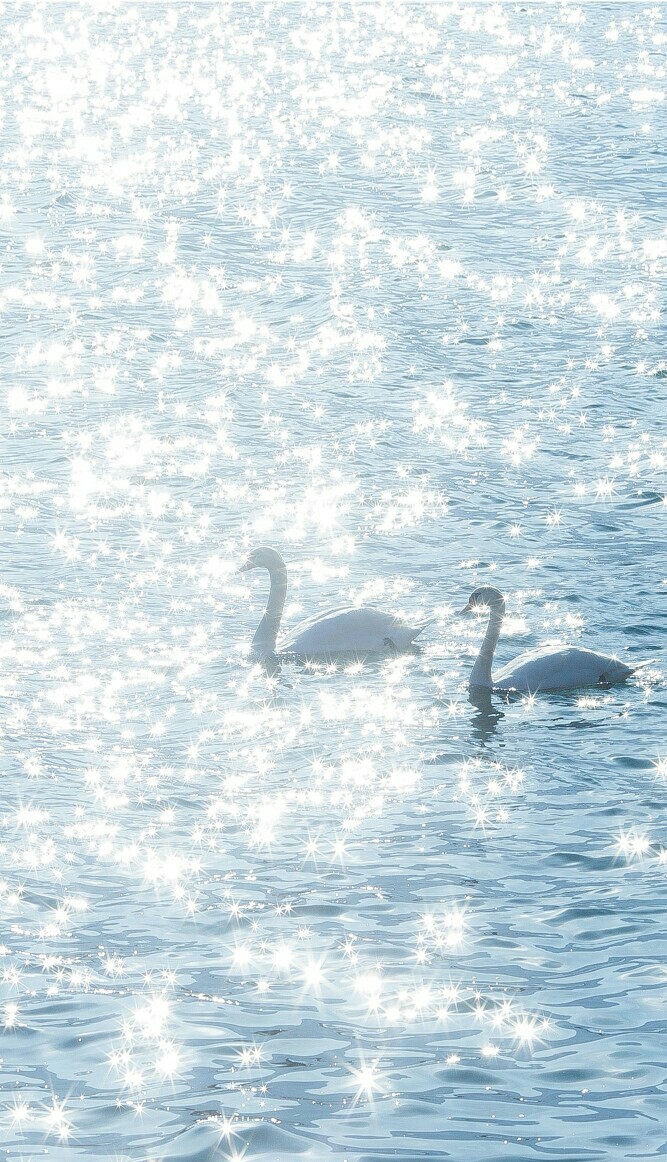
(484, 721)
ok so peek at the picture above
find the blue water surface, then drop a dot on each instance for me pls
(381, 285)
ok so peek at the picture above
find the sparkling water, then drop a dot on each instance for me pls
(379, 285)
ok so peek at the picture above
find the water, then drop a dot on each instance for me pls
(380, 286)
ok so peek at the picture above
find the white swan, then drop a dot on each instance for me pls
(362, 630)
(541, 669)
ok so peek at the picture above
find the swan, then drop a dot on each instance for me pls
(545, 668)
(350, 630)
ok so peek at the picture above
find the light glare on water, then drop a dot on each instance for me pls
(381, 286)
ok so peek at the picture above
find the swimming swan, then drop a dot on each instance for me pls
(354, 630)
(545, 668)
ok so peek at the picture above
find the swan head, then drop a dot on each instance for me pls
(263, 558)
(485, 598)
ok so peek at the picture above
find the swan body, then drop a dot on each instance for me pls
(545, 668)
(362, 629)
(560, 669)
(359, 630)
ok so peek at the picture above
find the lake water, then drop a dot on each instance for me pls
(381, 286)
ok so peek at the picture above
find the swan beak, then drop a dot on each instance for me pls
(466, 609)
(244, 567)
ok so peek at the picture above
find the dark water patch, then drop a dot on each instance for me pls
(576, 724)
(644, 499)
(496, 942)
(465, 1075)
(591, 863)
(571, 1076)
(642, 629)
(620, 1141)
(633, 763)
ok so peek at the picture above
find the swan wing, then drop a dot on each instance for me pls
(565, 668)
(354, 629)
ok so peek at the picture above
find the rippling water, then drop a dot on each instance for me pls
(380, 285)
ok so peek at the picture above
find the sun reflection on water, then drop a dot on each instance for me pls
(334, 280)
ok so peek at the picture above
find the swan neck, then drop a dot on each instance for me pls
(481, 671)
(264, 641)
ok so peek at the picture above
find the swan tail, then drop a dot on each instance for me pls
(620, 672)
(401, 637)
(415, 630)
